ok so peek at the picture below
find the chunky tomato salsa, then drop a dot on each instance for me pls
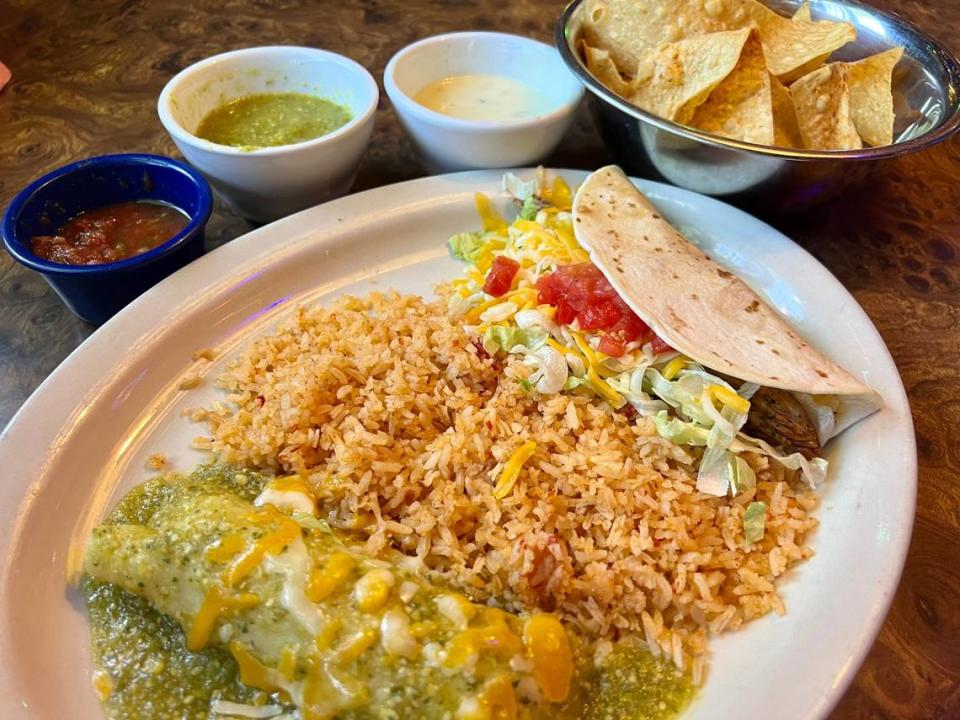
(581, 292)
(111, 233)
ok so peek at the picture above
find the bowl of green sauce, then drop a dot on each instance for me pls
(275, 129)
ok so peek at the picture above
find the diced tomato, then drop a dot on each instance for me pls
(659, 346)
(565, 314)
(629, 327)
(603, 315)
(500, 277)
(581, 292)
(609, 345)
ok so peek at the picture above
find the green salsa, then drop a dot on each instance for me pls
(271, 119)
(634, 685)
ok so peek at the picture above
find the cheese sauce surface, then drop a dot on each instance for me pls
(482, 97)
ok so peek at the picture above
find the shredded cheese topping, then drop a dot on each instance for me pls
(511, 471)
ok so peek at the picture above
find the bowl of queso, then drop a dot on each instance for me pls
(104, 230)
(477, 100)
(275, 129)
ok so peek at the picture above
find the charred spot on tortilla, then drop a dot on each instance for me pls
(821, 373)
(753, 307)
(676, 320)
(721, 272)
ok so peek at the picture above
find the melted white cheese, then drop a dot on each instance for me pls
(291, 500)
(295, 565)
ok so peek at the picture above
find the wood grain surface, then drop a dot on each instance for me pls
(86, 75)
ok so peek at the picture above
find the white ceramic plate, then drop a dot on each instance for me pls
(84, 436)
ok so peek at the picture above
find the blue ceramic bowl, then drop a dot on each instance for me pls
(96, 292)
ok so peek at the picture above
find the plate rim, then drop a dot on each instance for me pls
(246, 250)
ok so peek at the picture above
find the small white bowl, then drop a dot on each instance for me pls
(449, 143)
(268, 183)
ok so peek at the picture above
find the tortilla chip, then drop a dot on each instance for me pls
(794, 47)
(602, 67)
(629, 29)
(803, 13)
(740, 107)
(822, 102)
(673, 80)
(786, 132)
(871, 96)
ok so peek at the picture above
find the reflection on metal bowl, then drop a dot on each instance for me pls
(926, 100)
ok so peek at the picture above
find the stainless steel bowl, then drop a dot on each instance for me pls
(926, 98)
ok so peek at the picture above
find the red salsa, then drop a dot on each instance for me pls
(581, 292)
(111, 233)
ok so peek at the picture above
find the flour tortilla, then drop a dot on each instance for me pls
(699, 308)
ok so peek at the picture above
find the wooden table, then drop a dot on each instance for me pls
(86, 79)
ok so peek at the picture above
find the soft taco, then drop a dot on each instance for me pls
(726, 336)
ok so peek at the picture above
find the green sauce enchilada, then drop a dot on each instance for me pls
(202, 600)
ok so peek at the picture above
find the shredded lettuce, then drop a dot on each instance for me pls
(813, 471)
(521, 189)
(754, 522)
(712, 428)
(629, 383)
(716, 475)
(679, 432)
(684, 393)
(742, 477)
(824, 416)
(534, 319)
(506, 338)
(713, 478)
(748, 390)
(718, 467)
(531, 206)
(466, 246)
(689, 395)
(550, 374)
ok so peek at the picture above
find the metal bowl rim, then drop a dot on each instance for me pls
(947, 127)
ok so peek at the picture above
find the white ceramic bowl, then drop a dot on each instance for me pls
(268, 183)
(449, 143)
